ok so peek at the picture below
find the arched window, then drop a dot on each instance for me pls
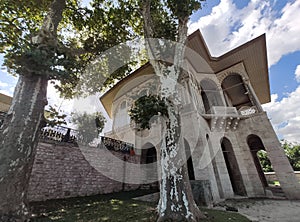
(235, 91)
(210, 95)
(121, 117)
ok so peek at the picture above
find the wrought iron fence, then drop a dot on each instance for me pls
(59, 134)
(68, 135)
(116, 145)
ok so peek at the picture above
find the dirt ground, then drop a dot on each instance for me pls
(265, 210)
(257, 210)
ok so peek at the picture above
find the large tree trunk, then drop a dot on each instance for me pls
(19, 135)
(176, 198)
(20, 131)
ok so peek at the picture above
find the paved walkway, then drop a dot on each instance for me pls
(266, 210)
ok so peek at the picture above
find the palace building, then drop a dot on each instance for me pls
(222, 122)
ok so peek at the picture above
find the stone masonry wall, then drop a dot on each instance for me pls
(61, 171)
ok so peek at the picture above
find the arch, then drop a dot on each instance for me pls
(215, 167)
(233, 169)
(148, 156)
(210, 94)
(235, 91)
(143, 92)
(255, 144)
(189, 161)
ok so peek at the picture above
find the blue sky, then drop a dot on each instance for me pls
(226, 24)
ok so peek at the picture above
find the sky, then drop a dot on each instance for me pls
(226, 24)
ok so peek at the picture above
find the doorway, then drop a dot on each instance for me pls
(233, 168)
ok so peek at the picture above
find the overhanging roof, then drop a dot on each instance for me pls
(252, 54)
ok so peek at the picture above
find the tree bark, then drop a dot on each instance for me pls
(176, 199)
(20, 131)
(19, 135)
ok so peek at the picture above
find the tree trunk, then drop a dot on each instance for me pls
(20, 131)
(176, 198)
(19, 136)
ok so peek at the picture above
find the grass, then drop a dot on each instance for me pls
(112, 207)
(274, 182)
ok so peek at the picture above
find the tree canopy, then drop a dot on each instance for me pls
(83, 34)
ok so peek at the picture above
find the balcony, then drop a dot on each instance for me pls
(223, 117)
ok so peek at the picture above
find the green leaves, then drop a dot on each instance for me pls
(54, 116)
(182, 9)
(145, 108)
(293, 153)
(89, 125)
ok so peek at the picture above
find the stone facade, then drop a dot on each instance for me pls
(223, 125)
(5, 102)
(62, 170)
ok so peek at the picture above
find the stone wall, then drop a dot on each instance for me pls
(62, 170)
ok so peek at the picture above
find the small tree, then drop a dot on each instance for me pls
(89, 126)
(292, 150)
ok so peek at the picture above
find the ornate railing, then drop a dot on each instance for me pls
(68, 135)
(64, 134)
(116, 145)
(59, 134)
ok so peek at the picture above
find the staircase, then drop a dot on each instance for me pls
(276, 191)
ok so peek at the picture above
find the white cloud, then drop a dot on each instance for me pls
(3, 84)
(227, 27)
(297, 73)
(5, 92)
(284, 115)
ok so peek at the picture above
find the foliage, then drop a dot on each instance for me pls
(89, 125)
(264, 161)
(145, 108)
(292, 151)
(83, 34)
(54, 116)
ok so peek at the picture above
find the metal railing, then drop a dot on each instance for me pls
(59, 134)
(116, 145)
(68, 135)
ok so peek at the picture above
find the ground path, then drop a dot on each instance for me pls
(266, 210)
(257, 210)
